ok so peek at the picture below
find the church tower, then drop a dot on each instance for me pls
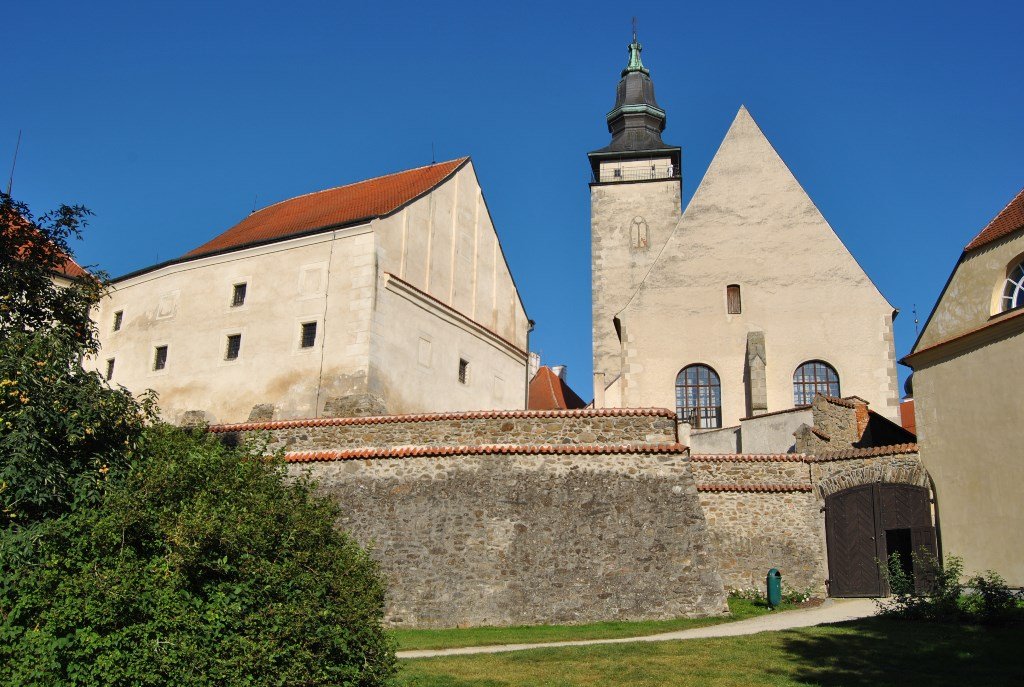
(635, 199)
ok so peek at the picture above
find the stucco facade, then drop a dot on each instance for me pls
(967, 391)
(750, 225)
(397, 300)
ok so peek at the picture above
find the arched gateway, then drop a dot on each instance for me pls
(865, 525)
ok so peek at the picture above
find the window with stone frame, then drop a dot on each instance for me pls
(814, 377)
(308, 334)
(734, 302)
(110, 369)
(238, 295)
(699, 397)
(234, 347)
(160, 357)
(118, 319)
(1013, 292)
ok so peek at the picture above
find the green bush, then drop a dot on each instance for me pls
(982, 598)
(204, 566)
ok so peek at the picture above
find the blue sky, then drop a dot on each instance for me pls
(903, 121)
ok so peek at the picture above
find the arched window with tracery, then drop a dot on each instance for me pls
(814, 377)
(699, 397)
(1013, 292)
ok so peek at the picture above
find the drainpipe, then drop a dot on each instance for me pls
(529, 328)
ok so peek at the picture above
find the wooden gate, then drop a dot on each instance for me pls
(865, 524)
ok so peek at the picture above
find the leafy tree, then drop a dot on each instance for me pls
(63, 431)
(203, 567)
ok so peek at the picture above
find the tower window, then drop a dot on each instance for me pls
(238, 295)
(699, 397)
(732, 297)
(1013, 292)
(463, 370)
(308, 334)
(814, 377)
(118, 319)
(110, 369)
(160, 358)
(234, 346)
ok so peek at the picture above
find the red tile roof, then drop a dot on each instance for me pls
(440, 417)
(755, 488)
(750, 458)
(358, 202)
(486, 449)
(548, 391)
(872, 452)
(1009, 220)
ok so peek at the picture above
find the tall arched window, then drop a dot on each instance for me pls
(814, 377)
(699, 397)
(1013, 292)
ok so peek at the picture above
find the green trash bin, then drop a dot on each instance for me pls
(774, 585)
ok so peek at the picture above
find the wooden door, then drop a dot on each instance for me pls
(850, 534)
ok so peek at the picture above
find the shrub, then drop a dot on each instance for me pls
(204, 566)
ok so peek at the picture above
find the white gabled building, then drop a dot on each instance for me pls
(388, 295)
(746, 303)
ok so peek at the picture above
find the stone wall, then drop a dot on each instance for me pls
(517, 539)
(600, 427)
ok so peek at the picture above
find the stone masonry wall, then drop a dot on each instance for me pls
(517, 539)
(613, 426)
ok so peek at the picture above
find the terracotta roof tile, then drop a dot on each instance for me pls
(755, 488)
(751, 458)
(1009, 220)
(487, 449)
(548, 391)
(441, 417)
(361, 201)
(874, 451)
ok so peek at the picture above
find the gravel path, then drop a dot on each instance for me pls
(832, 611)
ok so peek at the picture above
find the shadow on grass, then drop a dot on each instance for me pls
(878, 651)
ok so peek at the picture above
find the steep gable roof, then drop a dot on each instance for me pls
(333, 207)
(548, 391)
(1009, 220)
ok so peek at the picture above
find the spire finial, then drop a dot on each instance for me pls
(635, 65)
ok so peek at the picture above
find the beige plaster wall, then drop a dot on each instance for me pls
(327, 278)
(750, 223)
(969, 422)
(974, 291)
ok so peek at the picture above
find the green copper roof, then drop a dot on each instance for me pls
(635, 65)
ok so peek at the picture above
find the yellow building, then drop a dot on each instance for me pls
(968, 379)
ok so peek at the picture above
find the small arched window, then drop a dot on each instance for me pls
(699, 397)
(814, 377)
(1013, 292)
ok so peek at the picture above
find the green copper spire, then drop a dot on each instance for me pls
(635, 65)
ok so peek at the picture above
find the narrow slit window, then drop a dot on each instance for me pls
(160, 358)
(238, 295)
(463, 370)
(110, 369)
(732, 296)
(118, 319)
(308, 334)
(234, 346)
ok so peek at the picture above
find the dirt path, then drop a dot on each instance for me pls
(833, 611)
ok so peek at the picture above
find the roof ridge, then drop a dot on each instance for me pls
(459, 160)
(330, 455)
(980, 239)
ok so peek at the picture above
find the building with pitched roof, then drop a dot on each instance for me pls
(967, 385)
(549, 390)
(746, 303)
(390, 295)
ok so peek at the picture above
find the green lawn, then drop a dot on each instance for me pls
(483, 636)
(873, 652)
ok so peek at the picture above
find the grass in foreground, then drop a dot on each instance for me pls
(873, 652)
(739, 609)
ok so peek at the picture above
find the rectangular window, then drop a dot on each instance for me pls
(463, 370)
(732, 293)
(234, 346)
(238, 295)
(308, 334)
(160, 358)
(110, 369)
(118, 318)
